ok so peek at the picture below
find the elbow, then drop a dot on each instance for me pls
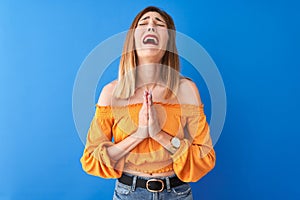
(208, 158)
(85, 165)
(89, 164)
(95, 167)
(211, 160)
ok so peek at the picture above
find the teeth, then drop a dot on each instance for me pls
(151, 40)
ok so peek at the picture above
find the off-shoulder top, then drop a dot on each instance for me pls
(111, 124)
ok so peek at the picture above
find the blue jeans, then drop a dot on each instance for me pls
(126, 192)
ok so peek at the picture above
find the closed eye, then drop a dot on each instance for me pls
(144, 24)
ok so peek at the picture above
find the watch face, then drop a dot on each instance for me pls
(175, 142)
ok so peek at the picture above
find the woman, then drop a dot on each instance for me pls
(149, 130)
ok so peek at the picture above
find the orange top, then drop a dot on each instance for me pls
(194, 158)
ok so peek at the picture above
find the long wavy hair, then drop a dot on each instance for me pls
(127, 68)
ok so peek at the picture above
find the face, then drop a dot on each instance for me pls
(151, 38)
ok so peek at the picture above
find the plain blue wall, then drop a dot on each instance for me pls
(255, 45)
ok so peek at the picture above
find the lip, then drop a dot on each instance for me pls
(151, 35)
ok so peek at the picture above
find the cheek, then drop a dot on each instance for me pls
(165, 38)
(137, 37)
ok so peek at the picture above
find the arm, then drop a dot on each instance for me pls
(122, 148)
(195, 153)
(165, 140)
(155, 131)
(101, 156)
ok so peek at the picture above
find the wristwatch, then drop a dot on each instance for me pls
(175, 142)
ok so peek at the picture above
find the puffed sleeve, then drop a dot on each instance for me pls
(95, 160)
(195, 156)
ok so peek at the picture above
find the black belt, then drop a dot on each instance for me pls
(152, 185)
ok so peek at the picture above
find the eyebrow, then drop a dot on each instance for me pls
(147, 17)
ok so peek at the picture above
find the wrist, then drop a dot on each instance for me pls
(174, 144)
(141, 133)
(154, 130)
(157, 136)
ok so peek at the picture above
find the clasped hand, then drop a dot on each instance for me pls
(148, 122)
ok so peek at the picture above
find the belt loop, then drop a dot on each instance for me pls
(168, 184)
(133, 186)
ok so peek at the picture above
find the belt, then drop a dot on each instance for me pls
(152, 185)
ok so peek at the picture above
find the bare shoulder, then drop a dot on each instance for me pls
(105, 97)
(188, 92)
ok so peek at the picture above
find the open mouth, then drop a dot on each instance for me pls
(150, 39)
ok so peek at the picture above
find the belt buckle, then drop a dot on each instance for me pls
(155, 180)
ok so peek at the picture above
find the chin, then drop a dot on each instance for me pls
(151, 52)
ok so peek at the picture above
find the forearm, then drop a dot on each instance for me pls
(119, 150)
(165, 140)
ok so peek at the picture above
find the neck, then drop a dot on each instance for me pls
(148, 75)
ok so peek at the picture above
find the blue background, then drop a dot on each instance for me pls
(255, 45)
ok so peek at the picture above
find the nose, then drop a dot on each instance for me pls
(151, 29)
(151, 26)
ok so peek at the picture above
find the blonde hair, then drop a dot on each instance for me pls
(128, 63)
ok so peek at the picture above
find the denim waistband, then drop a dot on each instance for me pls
(135, 178)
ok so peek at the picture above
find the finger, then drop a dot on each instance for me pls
(145, 106)
(145, 100)
(146, 95)
(150, 98)
(151, 113)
